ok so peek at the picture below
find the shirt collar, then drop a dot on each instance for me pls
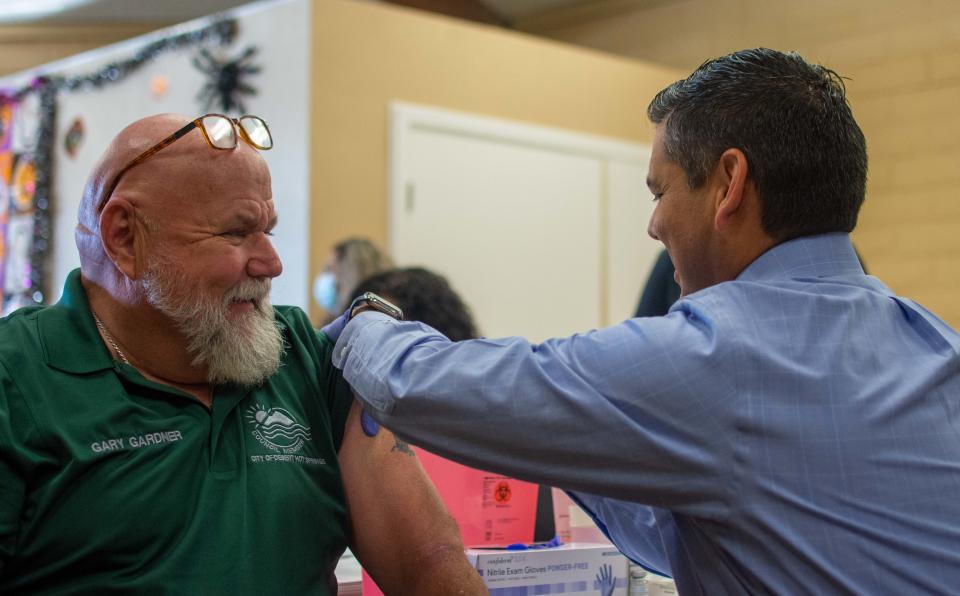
(825, 255)
(68, 334)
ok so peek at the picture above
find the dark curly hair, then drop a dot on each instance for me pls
(424, 296)
(807, 156)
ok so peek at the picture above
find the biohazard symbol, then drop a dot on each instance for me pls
(503, 493)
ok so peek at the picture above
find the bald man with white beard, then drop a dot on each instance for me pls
(163, 428)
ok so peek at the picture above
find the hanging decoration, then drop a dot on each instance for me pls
(6, 177)
(7, 161)
(20, 180)
(226, 80)
(6, 122)
(222, 31)
(28, 228)
(159, 85)
(27, 166)
(24, 185)
(74, 137)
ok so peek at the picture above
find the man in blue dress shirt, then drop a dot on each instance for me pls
(791, 426)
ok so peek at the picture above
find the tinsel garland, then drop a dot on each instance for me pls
(43, 161)
(222, 31)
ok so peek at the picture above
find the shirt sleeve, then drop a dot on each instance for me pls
(306, 342)
(338, 394)
(613, 412)
(12, 482)
(635, 529)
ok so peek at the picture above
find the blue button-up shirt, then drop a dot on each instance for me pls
(796, 430)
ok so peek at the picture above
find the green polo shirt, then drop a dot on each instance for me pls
(111, 483)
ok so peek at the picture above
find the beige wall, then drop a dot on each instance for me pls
(366, 54)
(25, 46)
(903, 57)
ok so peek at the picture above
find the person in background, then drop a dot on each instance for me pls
(349, 262)
(423, 296)
(165, 429)
(792, 426)
(661, 289)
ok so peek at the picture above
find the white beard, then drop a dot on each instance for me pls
(246, 351)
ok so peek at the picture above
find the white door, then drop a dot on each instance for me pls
(518, 218)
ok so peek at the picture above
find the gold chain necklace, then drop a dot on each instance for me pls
(109, 338)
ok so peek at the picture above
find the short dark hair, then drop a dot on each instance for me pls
(424, 296)
(805, 152)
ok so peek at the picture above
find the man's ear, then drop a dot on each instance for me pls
(731, 172)
(121, 232)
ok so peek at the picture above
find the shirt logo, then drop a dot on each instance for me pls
(277, 429)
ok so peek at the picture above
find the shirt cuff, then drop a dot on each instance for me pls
(353, 354)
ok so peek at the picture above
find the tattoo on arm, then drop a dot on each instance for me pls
(402, 447)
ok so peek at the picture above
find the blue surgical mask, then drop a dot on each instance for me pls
(325, 291)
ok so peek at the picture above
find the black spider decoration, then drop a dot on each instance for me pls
(226, 80)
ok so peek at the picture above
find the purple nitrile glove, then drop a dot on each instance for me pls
(370, 426)
(334, 328)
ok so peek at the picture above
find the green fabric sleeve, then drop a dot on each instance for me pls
(335, 392)
(339, 394)
(12, 481)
